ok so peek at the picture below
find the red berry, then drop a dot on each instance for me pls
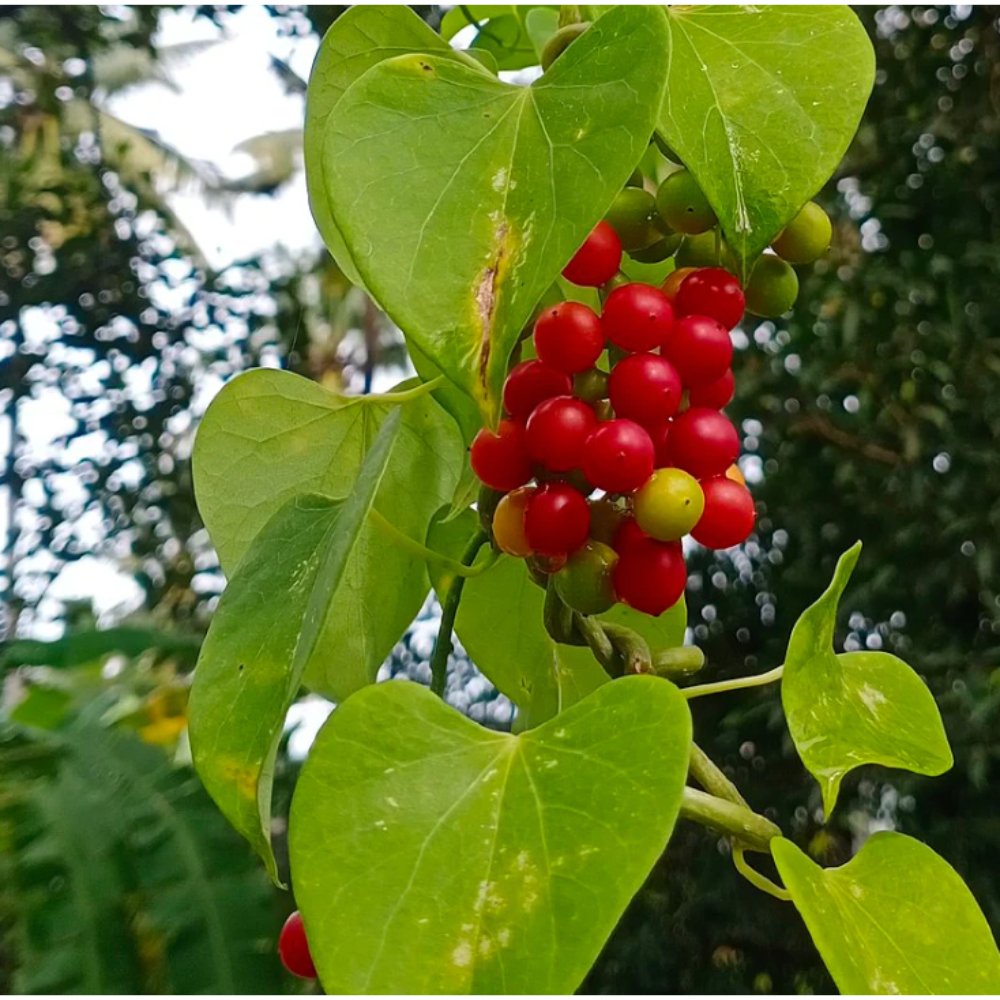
(501, 460)
(556, 520)
(627, 535)
(699, 348)
(711, 291)
(597, 261)
(619, 456)
(645, 388)
(637, 317)
(650, 576)
(293, 948)
(715, 395)
(557, 432)
(703, 442)
(529, 383)
(568, 337)
(729, 514)
(660, 436)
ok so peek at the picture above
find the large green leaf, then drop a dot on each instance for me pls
(264, 633)
(431, 855)
(461, 197)
(855, 708)
(119, 874)
(897, 918)
(361, 37)
(761, 103)
(270, 436)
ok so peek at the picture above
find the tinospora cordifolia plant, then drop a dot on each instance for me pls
(566, 260)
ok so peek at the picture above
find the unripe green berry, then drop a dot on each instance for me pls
(632, 217)
(704, 250)
(561, 41)
(591, 385)
(669, 504)
(659, 251)
(806, 237)
(585, 582)
(683, 205)
(772, 287)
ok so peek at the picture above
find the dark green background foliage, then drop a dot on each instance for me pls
(873, 410)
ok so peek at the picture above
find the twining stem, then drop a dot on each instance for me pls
(747, 828)
(558, 618)
(711, 777)
(755, 878)
(734, 684)
(449, 609)
(600, 644)
(414, 547)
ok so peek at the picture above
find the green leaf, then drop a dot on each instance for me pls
(264, 633)
(120, 876)
(270, 436)
(84, 646)
(463, 16)
(761, 103)
(431, 855)
(507, 36)
(361, 37)
(856, 708)
(427, 160)
(897, 918)
(541, 23)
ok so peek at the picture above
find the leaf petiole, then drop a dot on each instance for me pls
(734, 684)
(755, 878)
(405, 395)
(420, 550)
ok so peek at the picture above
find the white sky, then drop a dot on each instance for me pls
(228, 93)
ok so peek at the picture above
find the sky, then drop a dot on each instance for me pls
(226, 94)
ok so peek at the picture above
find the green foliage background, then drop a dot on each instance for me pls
(873, 411)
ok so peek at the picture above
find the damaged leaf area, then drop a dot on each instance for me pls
(431, 855)
(460, 265)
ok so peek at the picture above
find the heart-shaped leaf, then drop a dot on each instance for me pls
(856, 708)
(462, 197)
(262, 637)
(897, 918)
(431, 855)
(501, 626)
(761, 103)
(270, 436)
(361, 37)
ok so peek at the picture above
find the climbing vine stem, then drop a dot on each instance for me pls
(452, 595)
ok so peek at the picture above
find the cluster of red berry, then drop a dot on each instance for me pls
(648, 435)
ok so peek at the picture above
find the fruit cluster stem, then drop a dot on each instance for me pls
(452, 590)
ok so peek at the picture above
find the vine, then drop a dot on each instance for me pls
(567, 261)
